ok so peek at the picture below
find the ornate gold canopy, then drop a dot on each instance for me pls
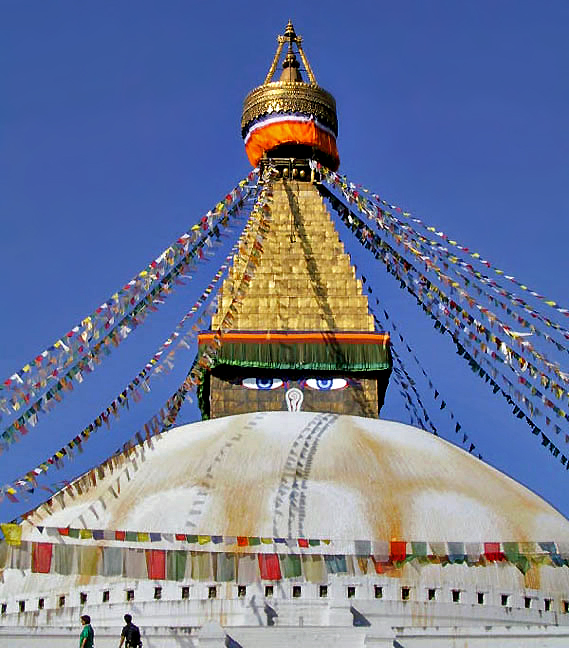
(284, 96)
(291, 96)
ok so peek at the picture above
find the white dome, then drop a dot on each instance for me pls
(281, 474)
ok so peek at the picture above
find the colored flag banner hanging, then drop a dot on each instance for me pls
(173, 556)
(256, 229)
(80, 337)
(438, 305)
(86, 364)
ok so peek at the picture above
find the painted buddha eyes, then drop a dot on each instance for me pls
(318, 384)
(262, 383)
(326, 384)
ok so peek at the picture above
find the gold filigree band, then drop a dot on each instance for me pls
(282, 97)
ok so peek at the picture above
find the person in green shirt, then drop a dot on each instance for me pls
(87, 636)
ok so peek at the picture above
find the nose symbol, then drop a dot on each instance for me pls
(294, 399)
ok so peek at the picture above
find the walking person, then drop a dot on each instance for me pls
(130, 634)
(87, 636)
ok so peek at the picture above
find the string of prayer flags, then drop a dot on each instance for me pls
(518, 338)
(454, 287)
(385, 322)
(258, 224)
(337, 180)
(430, 295)
(80, 338)
(88, 363)
(161, 554)
(438, 306)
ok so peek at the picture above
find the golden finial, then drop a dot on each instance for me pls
(289, 31)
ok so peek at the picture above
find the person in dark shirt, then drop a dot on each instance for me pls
(130, 634)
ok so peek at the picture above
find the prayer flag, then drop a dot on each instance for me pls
(156, 564)
(41, 557)
(269, 566)
(12, 533)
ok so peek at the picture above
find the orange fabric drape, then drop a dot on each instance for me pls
(289, 132)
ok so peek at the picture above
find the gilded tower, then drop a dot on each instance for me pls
(302, 336)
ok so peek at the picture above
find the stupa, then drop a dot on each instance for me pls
(292, 514)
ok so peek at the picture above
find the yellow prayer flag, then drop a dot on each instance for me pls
(204, 539)
(143, 536)
(85, 534)
(12, 533)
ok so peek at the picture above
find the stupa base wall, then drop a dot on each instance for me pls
(213, 635)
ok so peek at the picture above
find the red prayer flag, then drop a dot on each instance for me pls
(270, 566)
(302, 542)
(156, 564)
(64, 532)
(41, 557)
(242, 541)
(398, 551)
(492, 551)
(120, 535)
(181, 536)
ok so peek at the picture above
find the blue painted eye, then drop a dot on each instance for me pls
(326, 384)
(262, 383)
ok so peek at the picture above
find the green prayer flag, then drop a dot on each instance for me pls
(291, 566)
(176, 565)
(511, 551)
(419, 548)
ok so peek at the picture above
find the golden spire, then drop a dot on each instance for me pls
(305, 280)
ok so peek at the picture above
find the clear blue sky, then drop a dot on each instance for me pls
(121, 126)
